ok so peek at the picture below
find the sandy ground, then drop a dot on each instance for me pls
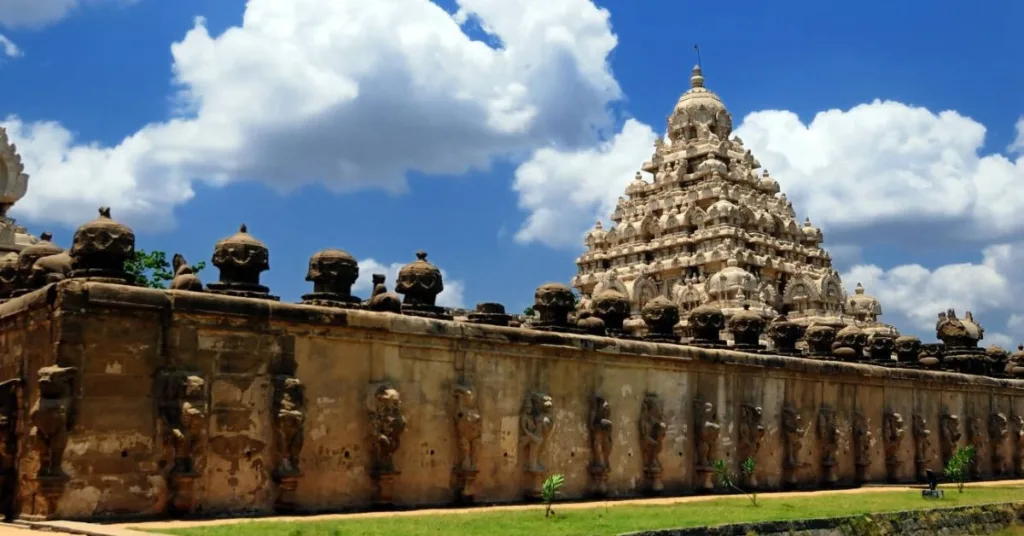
(160, 525)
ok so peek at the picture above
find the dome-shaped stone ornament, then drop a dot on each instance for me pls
(706, 323)
(491, 314)
(185, 277)
(880, 347)
(849, 344)
(10, 276)
(1015, 363)
(907, 348)
(661, 316)
(419, 283)
(960, 337)
(51, 269)
(241, 258)
(997, 358)
(553, 303)
(100, 250)
(931, 355)
(746, 327)
(27, 259)
(590, 324)
(332, 272)
(381, 300)
(819, 341)
(612, 307)
(784, 335)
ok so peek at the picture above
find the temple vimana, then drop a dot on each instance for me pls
(709, 325)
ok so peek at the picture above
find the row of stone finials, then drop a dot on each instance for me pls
(183, 408)
(101, 248)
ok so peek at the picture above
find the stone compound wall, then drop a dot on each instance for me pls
(183, 404)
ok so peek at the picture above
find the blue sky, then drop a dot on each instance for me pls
(302, 124)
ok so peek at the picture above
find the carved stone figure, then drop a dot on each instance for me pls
(184, 413)
(706, 430)
(660, 315)
(289, 431)
(185, 277)
(553, 302)
(828, 440)
(908, 348)
(536, 423)
(921, 444)
(793, 441)
(589, 324)
(387, 423)
(950, 436)
(468, 430)
(381, 300)
(976, 437)
(332, 272)
(652, 438)
(1018, 444)
(706, 323)
(862, 437)
(420, 282)
(241, 258)
(751, 432)
(101, 248)
(998, 432)
(9, 413)
(819, 341)
(52, 417)
(600, 442)
(892, 432)
(27, 259)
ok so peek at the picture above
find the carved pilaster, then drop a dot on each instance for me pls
(706, 431)
(950, 436)
(828, 441)
(384, 406)
(183, 410)
(751, 431)
(536, 422)
(468, 430)
(862, 437)
(976, 438)
(998, 432)
(922, 443)
(289, 413)
(892, 432)
(793, 442)
(52, 417)
(652, 438)
(600, 424)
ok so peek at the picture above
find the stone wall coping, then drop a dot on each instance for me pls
(76, 295)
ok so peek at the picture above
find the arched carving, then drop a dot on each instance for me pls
(644, 290)
(799, 289)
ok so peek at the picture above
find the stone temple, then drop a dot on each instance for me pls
(713, 228)
(220, 399)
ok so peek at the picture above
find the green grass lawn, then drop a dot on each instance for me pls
(618, 519)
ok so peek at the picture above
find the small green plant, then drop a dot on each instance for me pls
(726, 480)
(959, 466)
(528, 311)
(552, 485)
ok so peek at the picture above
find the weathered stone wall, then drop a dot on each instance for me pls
(124, 341)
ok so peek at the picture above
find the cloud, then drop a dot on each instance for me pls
(349, 94)
(451, 296)
(8, 48)
(38, 13)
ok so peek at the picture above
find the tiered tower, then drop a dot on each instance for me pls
(13, 185)
(713, 228)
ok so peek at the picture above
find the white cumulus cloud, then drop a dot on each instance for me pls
(451, 296)
(38, 13)
(347, 93)
(9, 48)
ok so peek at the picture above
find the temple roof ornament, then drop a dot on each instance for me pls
(710, 210)
(13, 186)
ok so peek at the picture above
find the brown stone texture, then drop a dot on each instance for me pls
(119, 460)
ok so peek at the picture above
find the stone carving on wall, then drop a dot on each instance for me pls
(976, 437)
(706, 431)
(289, 413)
(793, 441)
(183, 410)
(468, 430)
(600, 442)
(949, 436)
(849, 344)
(660, 315)
(921, 444)
(652, 438)
(880, 347)
(892, 435)
(387, 423)
(998, 432)
(381, 300)
(536, 422)
(828, 440)
(553, 302)
(52, 417)
(706, 323)
(751, 432)
(9, 413)
(784, 335)
(185, 277)
(862, 437)
(1018, 444)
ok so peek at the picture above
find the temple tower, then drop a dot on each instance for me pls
(713, 227)
(13, 185)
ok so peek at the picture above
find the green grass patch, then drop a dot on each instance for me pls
(618, 519)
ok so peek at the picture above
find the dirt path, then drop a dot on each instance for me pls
(160, 525)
